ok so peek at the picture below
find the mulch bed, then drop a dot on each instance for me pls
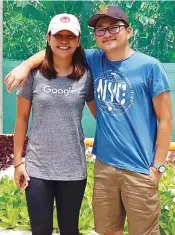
(6, 151)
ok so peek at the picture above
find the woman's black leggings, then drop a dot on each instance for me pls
(40, 196)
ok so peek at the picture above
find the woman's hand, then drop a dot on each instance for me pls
(21, 177)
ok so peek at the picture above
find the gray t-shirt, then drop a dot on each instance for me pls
(56, 149)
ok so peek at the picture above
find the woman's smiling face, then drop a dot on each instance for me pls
(63, 44)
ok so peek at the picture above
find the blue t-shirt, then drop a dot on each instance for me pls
(126, 130)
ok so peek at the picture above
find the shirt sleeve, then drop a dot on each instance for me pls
(26, 90)
(158, 81)
(89, 55)
(92, 58)
(90, 95)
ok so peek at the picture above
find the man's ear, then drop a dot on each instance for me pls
(130, 32)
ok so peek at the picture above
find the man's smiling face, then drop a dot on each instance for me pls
(112, 41)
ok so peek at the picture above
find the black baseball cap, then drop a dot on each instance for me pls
(111, 11)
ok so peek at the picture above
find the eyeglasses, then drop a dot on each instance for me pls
(113, 29)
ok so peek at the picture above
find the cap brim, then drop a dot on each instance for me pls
(93, 20)
(62, 27)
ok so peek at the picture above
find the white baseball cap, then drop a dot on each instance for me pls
(64, 22)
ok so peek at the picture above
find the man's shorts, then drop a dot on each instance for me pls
(118, 193)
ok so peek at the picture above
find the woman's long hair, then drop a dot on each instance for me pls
(78, 60)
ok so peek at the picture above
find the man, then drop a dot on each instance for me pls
(132, 94)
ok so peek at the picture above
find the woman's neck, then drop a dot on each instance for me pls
(64, 66)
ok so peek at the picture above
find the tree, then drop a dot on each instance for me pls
(153, 23)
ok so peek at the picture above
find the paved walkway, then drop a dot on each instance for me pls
(13, 232)
(9, 172)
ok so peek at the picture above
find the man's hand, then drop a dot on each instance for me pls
(155, 175)
(17, 77)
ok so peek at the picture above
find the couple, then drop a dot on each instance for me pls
(134, 127)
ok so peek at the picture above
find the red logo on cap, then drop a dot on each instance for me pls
(103, 10)
(65, 19)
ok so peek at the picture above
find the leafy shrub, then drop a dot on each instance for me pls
(13, 208)
(167, 197)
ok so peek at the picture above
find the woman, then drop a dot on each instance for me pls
(55, 158)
